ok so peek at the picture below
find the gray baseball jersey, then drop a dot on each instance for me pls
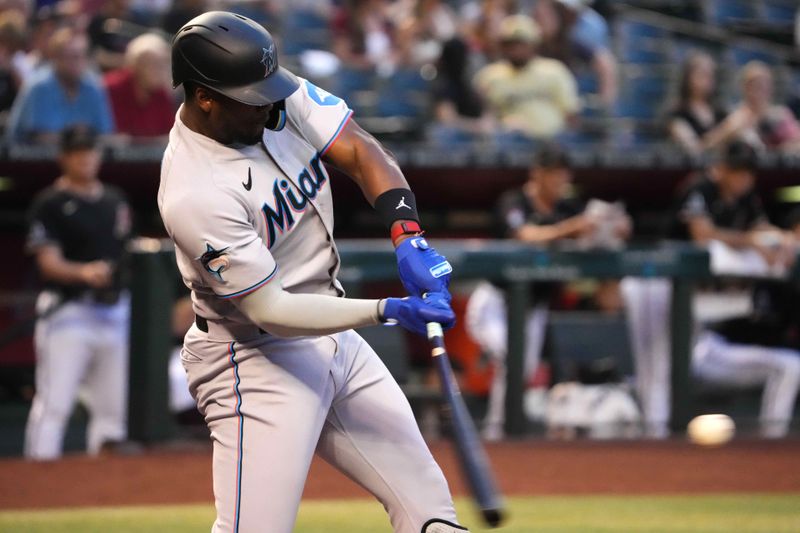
(244, 216)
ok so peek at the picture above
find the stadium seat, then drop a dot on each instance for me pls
(642, 94)
(409, 79)
(348, 81)
(779, 11)
(740, 54)
(638, 42)
(722, 12)
(297, 42)
(304, 19)
(576, 339)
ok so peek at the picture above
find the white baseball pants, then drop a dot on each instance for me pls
(270, 403)
(648, 302)
(487, 324)
(742, 365)
(80, 347)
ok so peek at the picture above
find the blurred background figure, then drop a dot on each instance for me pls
(365, 36)
(482, 19)
(741, 352)
(458, 109)
(139, 92)
(13, 33)
(695, 118)
(60, 95)
(721, 210)
(542, 212)
(110, 30)
(180, 12)
(577, 35)
(758, 120)
(78, 230)
(423, 28)
(528, 94)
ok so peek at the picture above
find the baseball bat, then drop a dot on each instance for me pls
(472, 456)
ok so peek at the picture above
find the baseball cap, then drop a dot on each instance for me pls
(78, 137)
(739, 155)
(552, 156)
(520, 28)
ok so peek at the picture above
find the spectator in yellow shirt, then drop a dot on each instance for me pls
(529, 94)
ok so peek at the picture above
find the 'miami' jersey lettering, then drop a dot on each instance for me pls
(285, 200)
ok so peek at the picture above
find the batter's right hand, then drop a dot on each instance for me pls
(96, 274)
(414, 313)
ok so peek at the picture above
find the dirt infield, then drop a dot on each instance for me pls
(523, 468)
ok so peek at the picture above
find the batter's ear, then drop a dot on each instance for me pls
(203, 98)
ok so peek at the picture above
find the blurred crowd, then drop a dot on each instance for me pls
(502, 72)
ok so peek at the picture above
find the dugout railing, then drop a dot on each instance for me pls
(515, 265)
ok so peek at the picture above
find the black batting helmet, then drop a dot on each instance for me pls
(232, 55)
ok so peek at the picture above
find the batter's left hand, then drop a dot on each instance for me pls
(422, 269)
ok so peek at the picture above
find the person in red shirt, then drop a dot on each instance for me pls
(143, 108)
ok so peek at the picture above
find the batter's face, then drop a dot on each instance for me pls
(232, 122)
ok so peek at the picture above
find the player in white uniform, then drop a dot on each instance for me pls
(272, 360)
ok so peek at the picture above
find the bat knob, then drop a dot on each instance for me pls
(493, 517)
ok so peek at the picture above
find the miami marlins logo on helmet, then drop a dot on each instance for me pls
(269, 60)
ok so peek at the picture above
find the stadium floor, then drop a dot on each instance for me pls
(176, 476)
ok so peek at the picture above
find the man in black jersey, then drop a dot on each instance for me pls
(720, 210)
(541, 212)
(77, 235)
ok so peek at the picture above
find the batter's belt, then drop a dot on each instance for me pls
(226, 330)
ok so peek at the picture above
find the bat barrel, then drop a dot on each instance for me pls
(473, 458)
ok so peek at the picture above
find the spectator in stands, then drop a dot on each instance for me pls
(45, 22)
(12, 40)
(757, 119)
(364, 36)
(458, 108)
(423, 28)
(141, 103)
(110, 32)
(541, 212)
(577, 35)
(60, 95)
(528, 94)
(181, 12)
(694, 122)
(482, 19)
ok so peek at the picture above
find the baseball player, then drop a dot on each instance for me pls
(272, 360)
(720, 207)
(78, 231)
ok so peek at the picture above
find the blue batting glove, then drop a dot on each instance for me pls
(414, 313)
(437, 299)
(422, 269)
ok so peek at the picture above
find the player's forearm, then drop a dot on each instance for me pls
(284, 314)
(534, 233)
(53, 267)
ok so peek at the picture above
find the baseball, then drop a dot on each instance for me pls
(711, 430)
